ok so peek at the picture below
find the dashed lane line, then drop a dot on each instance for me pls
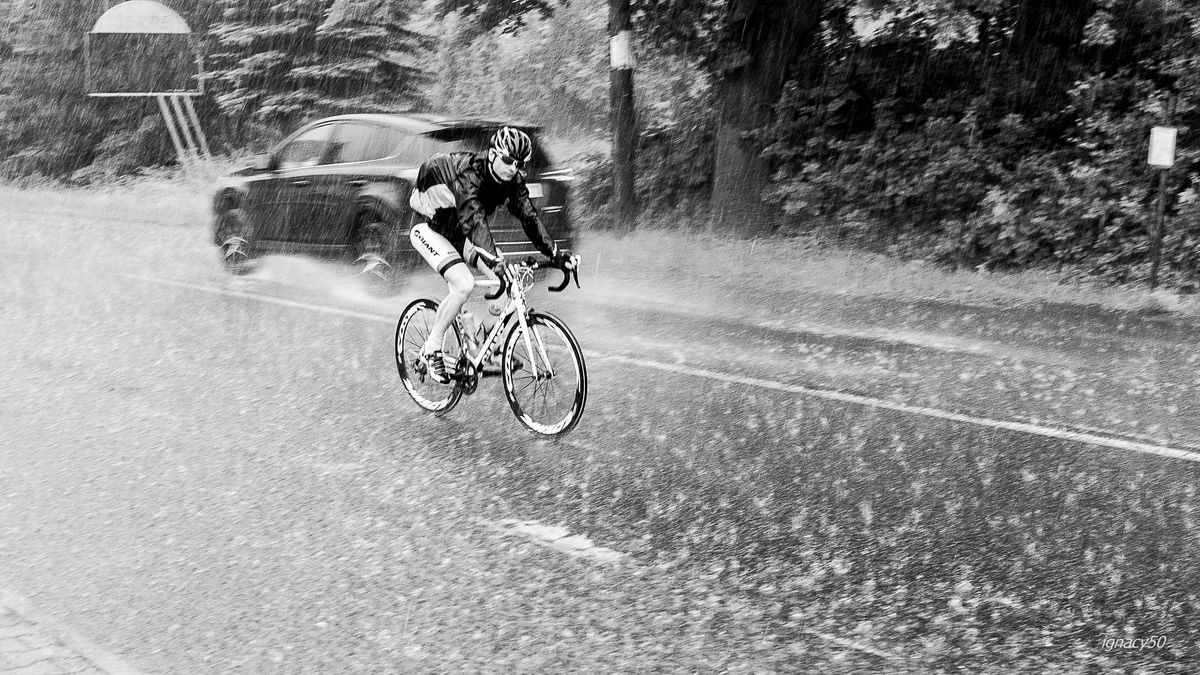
(294, 304)
(831, 395)
(557, 538)
(578, 546)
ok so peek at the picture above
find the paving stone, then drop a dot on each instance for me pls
(46, 643)
(23, 659)
(34, 644)
(9, 645)
(39, 668)
(76, 665)
(16, 630)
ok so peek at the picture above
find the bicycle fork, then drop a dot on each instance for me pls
(540, 372)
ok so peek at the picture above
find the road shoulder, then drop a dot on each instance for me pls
(32, 642)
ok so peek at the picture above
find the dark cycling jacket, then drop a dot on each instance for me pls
(477, 195)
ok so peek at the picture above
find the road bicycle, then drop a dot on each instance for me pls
(539, 360)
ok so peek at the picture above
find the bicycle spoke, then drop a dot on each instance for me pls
(548, 389)
(412, 332)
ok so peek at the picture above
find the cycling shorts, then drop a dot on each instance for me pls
(434, 248)
(438, 251)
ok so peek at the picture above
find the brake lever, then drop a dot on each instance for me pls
(565, 280)
(499, 291)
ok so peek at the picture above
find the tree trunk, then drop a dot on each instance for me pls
(624, 124)
(764, 38)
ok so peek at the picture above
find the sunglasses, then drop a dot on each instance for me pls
(511, 161)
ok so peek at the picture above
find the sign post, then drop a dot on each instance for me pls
(140, 19)
(621, 111)
(1162, 157)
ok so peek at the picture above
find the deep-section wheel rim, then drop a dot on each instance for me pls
(547, 405)
(411, 331)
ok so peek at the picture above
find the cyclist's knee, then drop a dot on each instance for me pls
(460, 280)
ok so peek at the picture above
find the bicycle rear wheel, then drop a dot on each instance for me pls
(411, 331)
(545, 379)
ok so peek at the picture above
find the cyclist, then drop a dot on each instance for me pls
(457, 192)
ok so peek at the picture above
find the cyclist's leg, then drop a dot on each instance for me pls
(495, 307)
(441, 255)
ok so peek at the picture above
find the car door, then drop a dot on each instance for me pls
(330, 206)
(275, 197)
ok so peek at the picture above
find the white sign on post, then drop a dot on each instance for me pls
(1162, 147)
(620, 49)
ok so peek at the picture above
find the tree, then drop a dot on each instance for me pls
(282, 62)
(508, 15)
(621, 108)
(551, 72)
(760, 41)
(748, 47)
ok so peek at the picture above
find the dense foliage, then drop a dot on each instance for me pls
(280, 63)
(999, 134)
(553, 71)
(983, 133)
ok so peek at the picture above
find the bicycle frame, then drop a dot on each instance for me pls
(517, 305)
(548, 397)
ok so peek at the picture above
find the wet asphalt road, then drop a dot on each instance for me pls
(210, 474)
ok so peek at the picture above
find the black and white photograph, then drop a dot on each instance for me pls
(599, 336)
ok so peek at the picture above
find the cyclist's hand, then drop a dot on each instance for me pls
(503, 270)
(564, 260)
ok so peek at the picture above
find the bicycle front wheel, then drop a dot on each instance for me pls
(411, 331)
(544, 375)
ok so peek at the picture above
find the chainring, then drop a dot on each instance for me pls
(467, 376)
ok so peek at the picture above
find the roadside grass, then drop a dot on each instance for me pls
(180, 197)
(780, 268)
(684, 253)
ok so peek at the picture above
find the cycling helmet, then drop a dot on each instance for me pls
(513, 142)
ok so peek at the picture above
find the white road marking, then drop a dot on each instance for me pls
(852, 644)
(557, 538)
(1038, 430)
(561, 540)
(943, 343)
(324, 309)
(1021, 427)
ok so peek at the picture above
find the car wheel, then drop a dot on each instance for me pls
(370, 252)
(235, 237)
(405, 261)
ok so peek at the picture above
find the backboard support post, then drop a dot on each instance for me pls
(149, 17)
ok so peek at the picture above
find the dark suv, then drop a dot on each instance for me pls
(340, 186)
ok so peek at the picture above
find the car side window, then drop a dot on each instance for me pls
(354, 142)
(416, 149)
(305, 149)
